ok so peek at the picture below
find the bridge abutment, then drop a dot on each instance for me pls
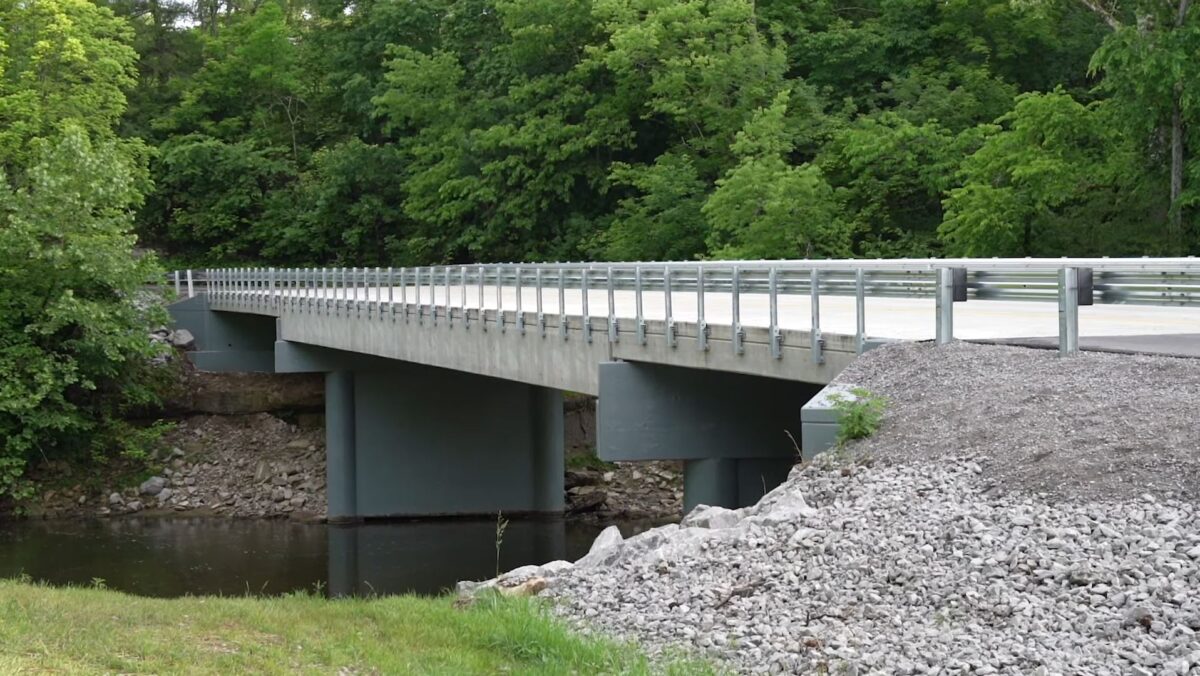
(734, 432)
(226, 342)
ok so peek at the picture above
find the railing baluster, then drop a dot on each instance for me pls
(417, 284)
(520, 311)
(701, 325)
(500, 298)
(587, 321)
(860, 310)
(541, 317)
(668, 315)
(818, 343)
(562, 303)
(449, 306)
(637, 292)
(613, 331)
(463, 298)
(391, 287)
(482, 316)
(735, 285)
(776, 336)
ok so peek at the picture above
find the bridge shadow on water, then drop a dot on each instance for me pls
(167, 557)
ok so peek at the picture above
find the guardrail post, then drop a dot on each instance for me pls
(391, 286)
(520, 304)
(945, 306)
(417, 285)
(541, 317)
(776, 337)
(587, 321)
(701, 325)
(462, 273)
(817, 342)
(562, 303)
(735, 286)
(613, 332)
(178, 287)
(860, 310)
(637, 293)
(500, 299)
(1068, 312)
(669, 314)
(449, 308)
(190, 286)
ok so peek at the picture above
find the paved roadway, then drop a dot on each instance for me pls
(1165, 329)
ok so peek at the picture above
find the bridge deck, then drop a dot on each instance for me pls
(898, 318)
(361, 321)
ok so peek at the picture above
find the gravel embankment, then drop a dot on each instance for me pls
(1096, 426)
(1016, 514)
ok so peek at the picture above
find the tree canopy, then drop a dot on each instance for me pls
(442, 131)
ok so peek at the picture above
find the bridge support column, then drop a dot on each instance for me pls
(341, 467)
(733, 431)
(411, 440)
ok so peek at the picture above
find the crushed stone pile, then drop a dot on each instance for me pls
(987, 528)
(1095, 426)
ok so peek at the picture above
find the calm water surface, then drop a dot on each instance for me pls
(174, 557)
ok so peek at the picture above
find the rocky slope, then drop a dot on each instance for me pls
(941, 557)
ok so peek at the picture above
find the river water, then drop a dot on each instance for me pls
(167, 557)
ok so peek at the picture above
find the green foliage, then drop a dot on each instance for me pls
(1045, 175)
(765, 208)
(858, 415)
(74, 356)
(73, 346)
(449, 131)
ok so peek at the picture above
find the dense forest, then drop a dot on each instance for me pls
(444, 131)
(401, 132)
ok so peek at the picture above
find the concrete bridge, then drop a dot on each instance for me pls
(444, 384)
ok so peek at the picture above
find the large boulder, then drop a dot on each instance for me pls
(182, 339)
(152, 486)
(704, 516)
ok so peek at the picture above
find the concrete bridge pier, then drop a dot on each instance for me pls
(734, 432)
(409, 440)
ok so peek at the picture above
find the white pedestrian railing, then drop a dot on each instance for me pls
(451, 293)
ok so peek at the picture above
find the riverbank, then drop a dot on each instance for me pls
(47, 630)
(253, 446)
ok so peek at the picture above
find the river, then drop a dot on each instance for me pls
(167, 557)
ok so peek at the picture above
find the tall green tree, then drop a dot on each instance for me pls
(73, 347)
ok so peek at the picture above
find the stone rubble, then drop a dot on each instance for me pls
(895, 569)
(1015, 514)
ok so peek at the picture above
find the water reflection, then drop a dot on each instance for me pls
(173, 557)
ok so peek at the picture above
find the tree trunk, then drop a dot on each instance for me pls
(1175, 228)
(1177, 150)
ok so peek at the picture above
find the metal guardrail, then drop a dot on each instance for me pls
(1070, 282)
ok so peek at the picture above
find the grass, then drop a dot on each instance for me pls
(93, 630)
(588, 460)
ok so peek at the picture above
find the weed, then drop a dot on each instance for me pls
(858, 417)
(501, 526)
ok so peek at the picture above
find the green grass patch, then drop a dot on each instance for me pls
(79, 630)
(588, 461)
